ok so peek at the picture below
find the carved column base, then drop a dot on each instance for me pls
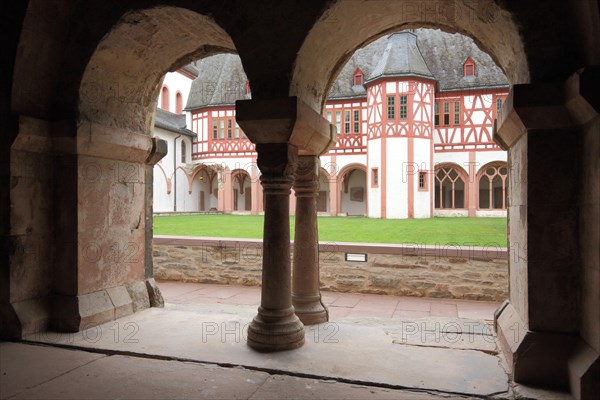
(275, 330)
(310, 309)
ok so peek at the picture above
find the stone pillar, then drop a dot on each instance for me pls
(551, 130)
(306, 294)
(227, 191)
(159, 150)
(279, 127)
(276, 327)
(334, 193)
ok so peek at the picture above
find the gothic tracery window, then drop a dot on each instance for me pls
(449, 188)
(492, 186)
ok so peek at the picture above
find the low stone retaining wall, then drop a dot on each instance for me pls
(457, 272)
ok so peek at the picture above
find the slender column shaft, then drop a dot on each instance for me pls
(306, 295)
(276, 327)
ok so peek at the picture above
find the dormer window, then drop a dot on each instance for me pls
(469, 67)
(358, 77)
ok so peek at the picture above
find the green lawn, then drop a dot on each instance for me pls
(443, 231)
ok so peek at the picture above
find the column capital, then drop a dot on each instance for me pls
(286, 120)
(306, 182)
(548, 105)
(277, 162)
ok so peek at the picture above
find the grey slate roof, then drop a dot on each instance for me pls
(401, 57)
(426, 53)
(172, 122)
(221, 81)
(444, 55)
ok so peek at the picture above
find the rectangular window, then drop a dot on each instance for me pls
(222, 129)
(215, 129)
(237, 131)
(456, 113)
(391, 107)
(338, 121)
(374, 177)
(403, 107)
(329, 117)
(498, 104)
(446, 113)
(347, 121)
(437, 114)
(423, 181)
(229, 124)
(356, 121)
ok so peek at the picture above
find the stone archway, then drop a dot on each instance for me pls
(342, 29)
(103, 155)
(241, 183)
(353, 190)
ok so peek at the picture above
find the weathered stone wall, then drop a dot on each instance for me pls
(405, 270)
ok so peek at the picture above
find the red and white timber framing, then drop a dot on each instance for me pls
(395, 154)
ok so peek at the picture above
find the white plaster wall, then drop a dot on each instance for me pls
(374, 151)
(176, 82)
(460, 158)
(341, 161)
(422, 156)
(396, 182)
(163, 202)
(484, 157)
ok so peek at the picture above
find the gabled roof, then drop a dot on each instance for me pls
(220, 82)
(172, 122)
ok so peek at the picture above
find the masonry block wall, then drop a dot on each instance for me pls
(401, 270)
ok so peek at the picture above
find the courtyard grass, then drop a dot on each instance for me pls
(441, 231)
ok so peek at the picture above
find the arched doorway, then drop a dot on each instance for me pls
(203, 189)
(241, 191)
(353, 190)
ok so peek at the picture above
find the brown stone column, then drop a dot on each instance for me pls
(306, 294)
(552, 132)
(159, 150)
(276, 327)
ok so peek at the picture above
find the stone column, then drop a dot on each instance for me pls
(306, 294)
(159, 150)
(549, 330)
(276, 327)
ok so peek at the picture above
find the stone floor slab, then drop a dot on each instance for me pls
(133, 378)
(348, 350)
(288, 387)
(36, 365)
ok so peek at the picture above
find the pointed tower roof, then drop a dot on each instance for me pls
(401, 57)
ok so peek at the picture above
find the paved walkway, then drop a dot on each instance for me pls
(374, 347)
(340, 305)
